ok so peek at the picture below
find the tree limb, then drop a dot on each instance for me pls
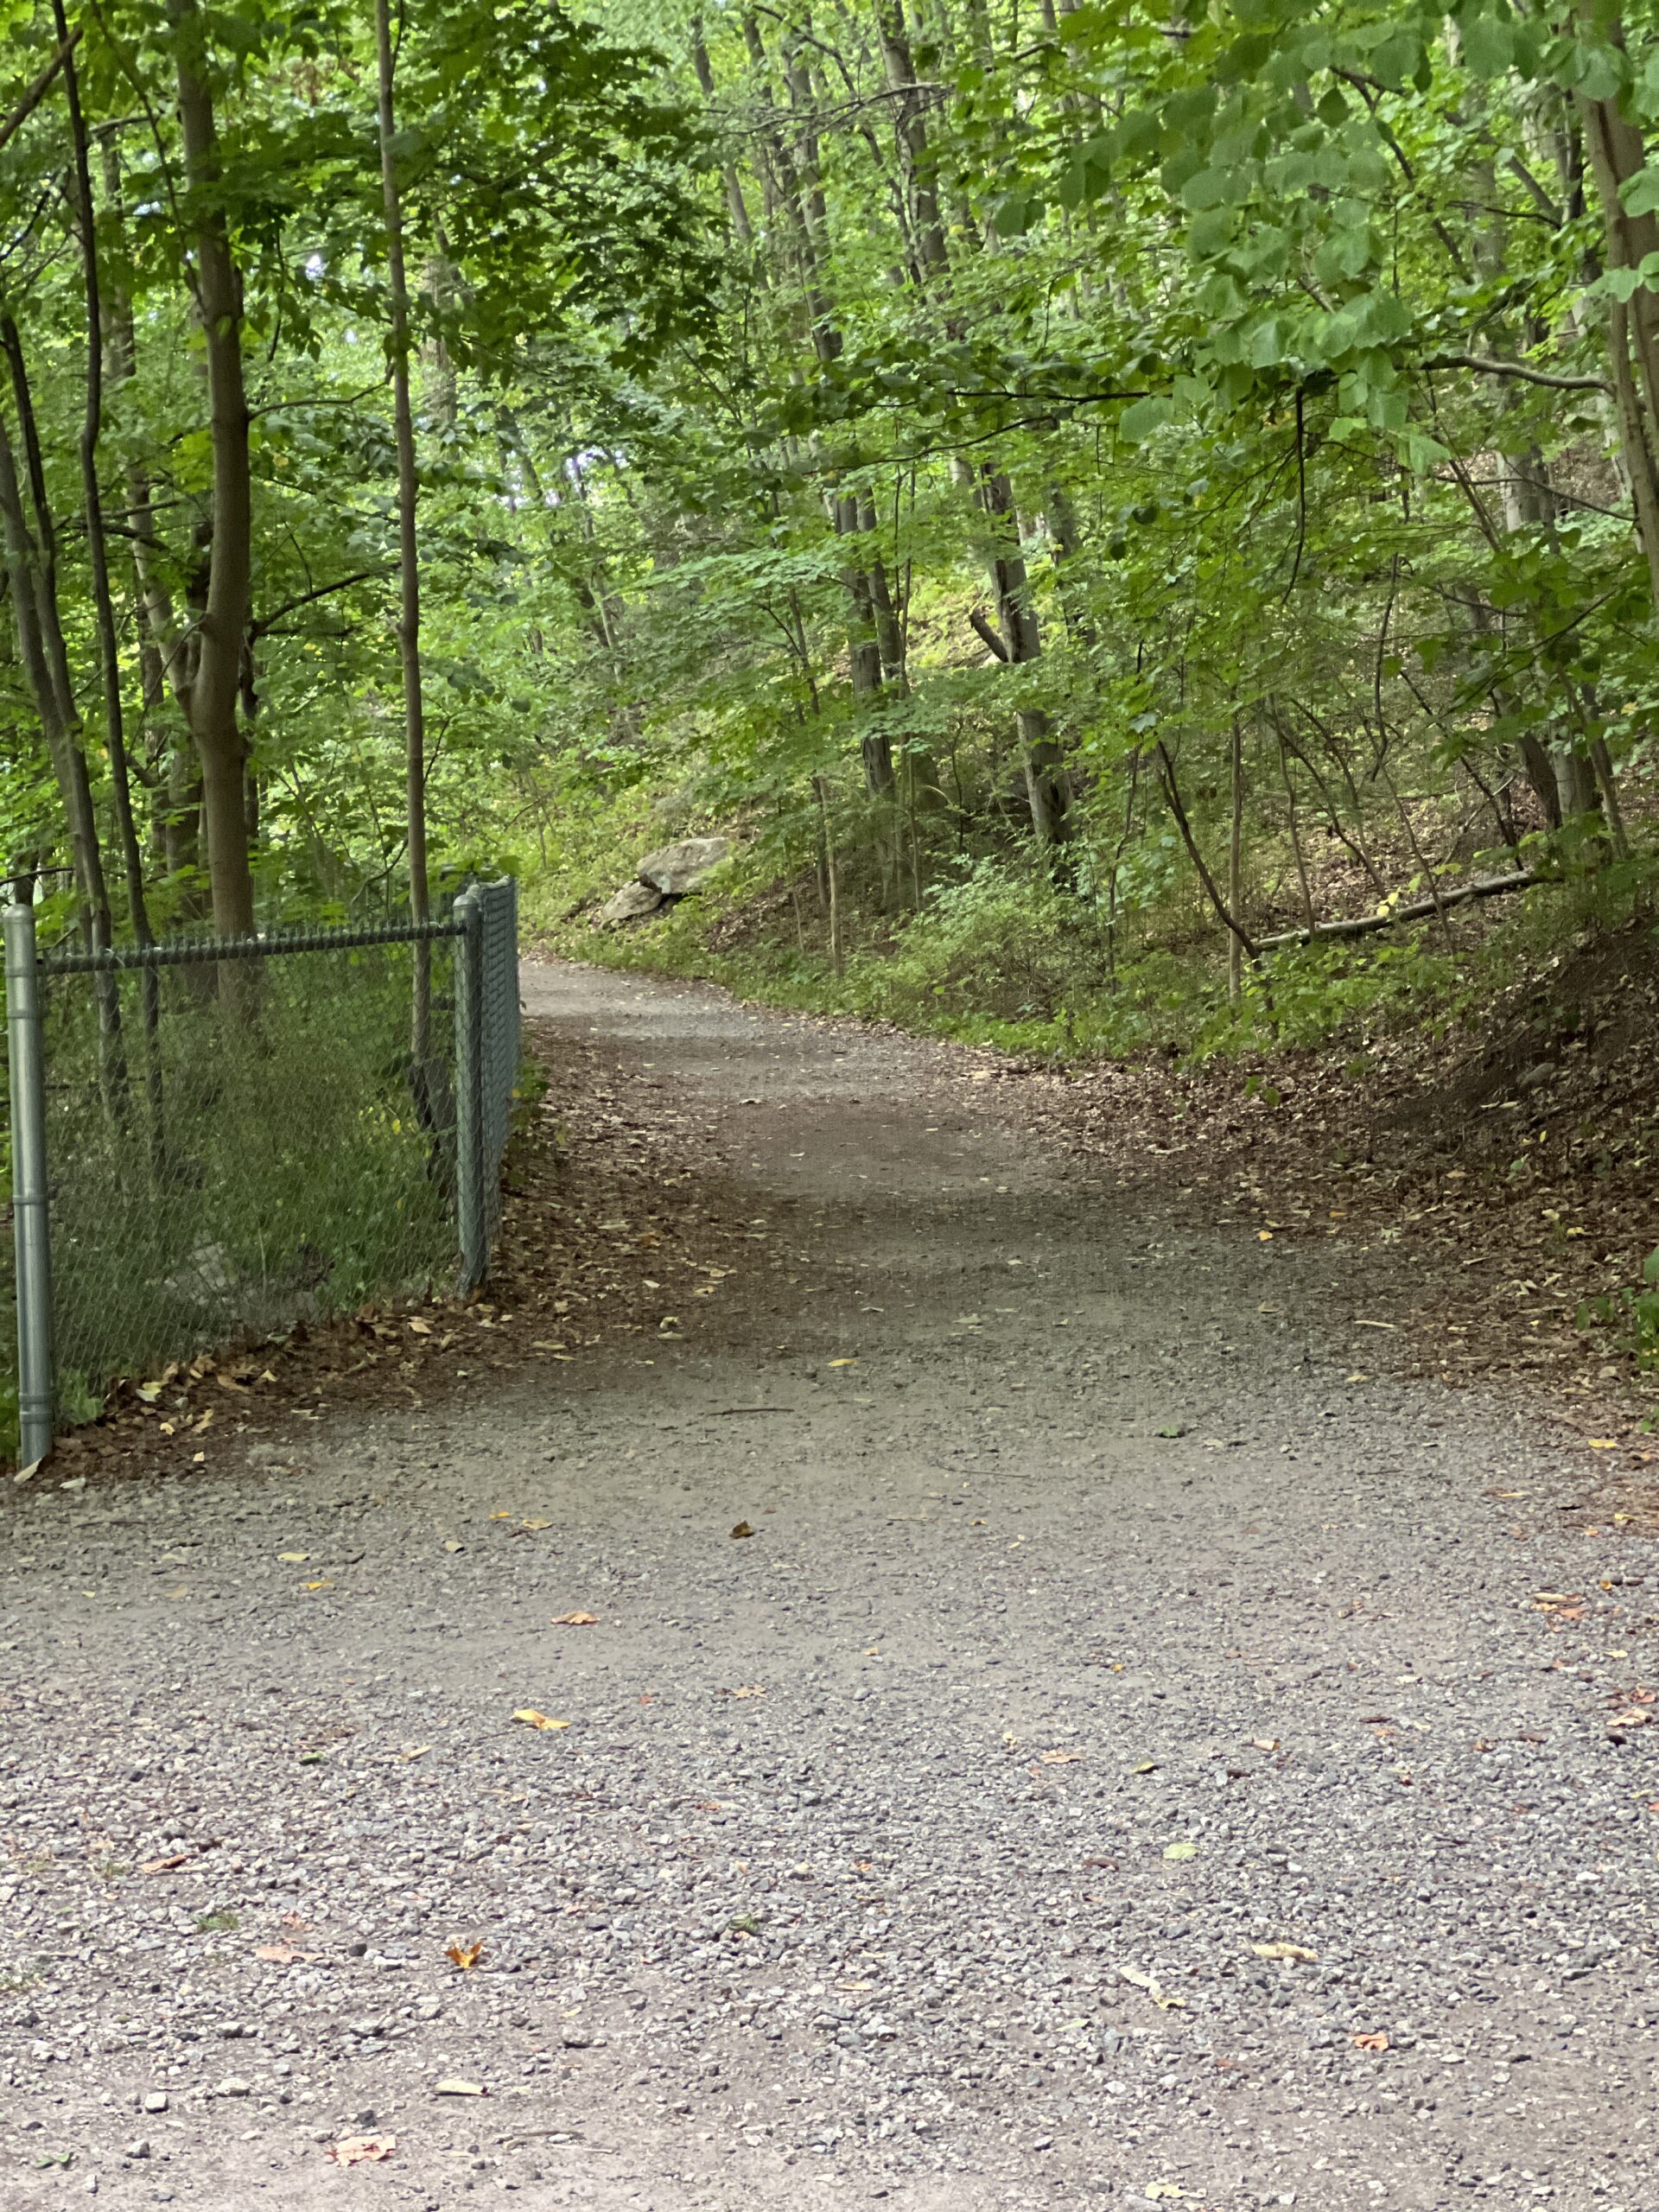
(1521, 369)
(38, 91)
(1420, 910)
(988, 633)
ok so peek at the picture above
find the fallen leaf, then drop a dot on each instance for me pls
(1146, 1981)
(465, 1955)
(449, 2087)
(575, 1620)
(1604, 1444)
(167, 1865)
(1370, 2043)
(275, 1955)
(361, 2149)
(1059, 1758)
(1144, 1766)
(421, 1328)
(416, 1752)
(535, 1524)
(1286, 1951)
(1635, 1718)
(742, 1529)
(750, 1689)
(294, 1559)
(1264, 1743)
(532, 1718)
(843, 1362)
(1181, 1851)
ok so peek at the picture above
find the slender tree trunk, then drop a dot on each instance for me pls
(92, 430)
(1236, 870)
(1296, 835)
(217, 679)
(408, 621)
(1048, 786)
(34, 617)
(1617, 155)
(832, 876)
(1225, 913)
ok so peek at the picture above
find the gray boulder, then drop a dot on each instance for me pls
(631, 904)
(674, 869)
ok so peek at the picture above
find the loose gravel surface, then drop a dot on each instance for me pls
(1143, 1754)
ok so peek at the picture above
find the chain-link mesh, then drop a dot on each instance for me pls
(246, 1144)
(237, 1137)
(498, 1043)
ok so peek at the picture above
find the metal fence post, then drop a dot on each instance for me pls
(472, 1212)
(31, 1212)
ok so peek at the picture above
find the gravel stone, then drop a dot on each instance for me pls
(1109, 1618)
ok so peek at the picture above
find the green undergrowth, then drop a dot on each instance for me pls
(993, 957)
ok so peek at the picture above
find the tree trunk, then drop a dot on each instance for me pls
(899, 68)
(409, 621)
(92, 430)
(1236, 871)
(216, 678)
(1617, 154)
(1048, 785)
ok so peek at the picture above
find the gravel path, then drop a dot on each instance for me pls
(1126, 1764)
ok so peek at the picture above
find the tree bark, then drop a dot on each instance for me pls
(1236, 870)
(1048, 785)
(92, 430)
(1617, 154)
(408, 619)
(31, 565)
(216, 680)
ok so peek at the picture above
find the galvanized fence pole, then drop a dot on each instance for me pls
(31, 1210)
(472, 1209)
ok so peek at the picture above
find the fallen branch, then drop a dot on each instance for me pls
(1420, 910)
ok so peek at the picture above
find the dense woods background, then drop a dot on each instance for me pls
(1087, 497)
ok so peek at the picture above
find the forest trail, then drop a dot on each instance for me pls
(1128, 1764)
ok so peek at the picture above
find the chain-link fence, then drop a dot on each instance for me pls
(212, 1140)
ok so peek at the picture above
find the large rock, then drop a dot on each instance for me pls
(631, 904)
(676, 869)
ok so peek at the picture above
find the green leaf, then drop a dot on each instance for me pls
(1599, 71)
(1488, 45)
(1215, 188)
(1145, 416)
(1639, 194)
(1396, 62)
(1181, 1851)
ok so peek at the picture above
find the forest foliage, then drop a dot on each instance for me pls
(1087, 494)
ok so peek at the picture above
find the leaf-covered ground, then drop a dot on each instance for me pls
(1487, 1180)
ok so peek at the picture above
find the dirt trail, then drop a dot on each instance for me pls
(1127, 1763)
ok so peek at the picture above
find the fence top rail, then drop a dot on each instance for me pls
(183, 952)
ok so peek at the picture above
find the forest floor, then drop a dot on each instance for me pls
(1030, 1699)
